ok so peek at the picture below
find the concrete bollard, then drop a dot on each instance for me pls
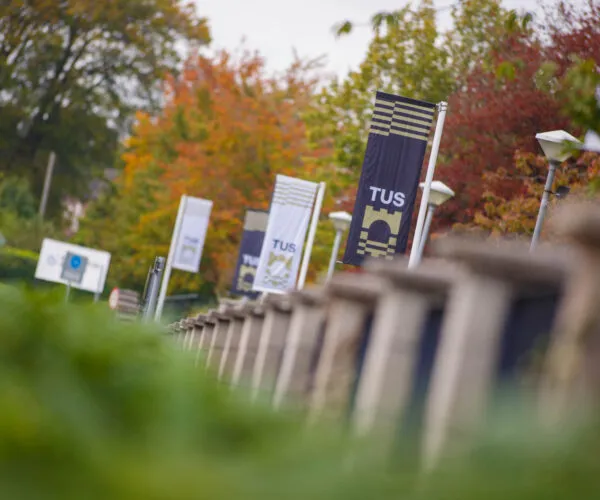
(571, 377)
(185, 332)
(278, 311)
(188, 327)
(205, 337)
(232, 339)
(215, 350)
(352, 302)
(248, 345)
(177, 332)
(293, 378)
(210, 325)
(197, 330)
(478, 306)
(193, 327)
(387, 383)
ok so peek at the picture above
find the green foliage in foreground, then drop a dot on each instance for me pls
(17, 264)
(90, 408)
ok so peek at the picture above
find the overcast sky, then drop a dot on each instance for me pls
(276, 27)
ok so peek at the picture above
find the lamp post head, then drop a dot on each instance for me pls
(341, 220)
(591, 142)
(555, 144)
(439, 193)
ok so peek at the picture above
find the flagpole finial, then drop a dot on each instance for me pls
(442, 106)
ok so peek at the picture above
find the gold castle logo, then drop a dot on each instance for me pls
(273, 275)
(246, 278)
(385, 249)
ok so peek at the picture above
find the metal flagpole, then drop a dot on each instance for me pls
(155, 275)
(425, 235)
(334, 254)
(437, 138)
(167, 274)
(97, 293)
(311, 235)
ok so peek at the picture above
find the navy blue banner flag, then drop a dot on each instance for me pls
(255, 225)
(390, 178)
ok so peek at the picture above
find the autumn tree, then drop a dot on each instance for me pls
(408, 55)
(226, 129)
(72, 72)
(498, 111)
(539, 84)
(517, 214)
(512, 76)
(403, 57)
(573, 71)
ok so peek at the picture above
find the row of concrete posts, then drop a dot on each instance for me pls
(425, 349)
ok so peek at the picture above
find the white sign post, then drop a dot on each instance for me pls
(187, 242)
(289, 216)
(73, 265)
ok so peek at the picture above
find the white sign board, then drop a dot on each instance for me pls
(289, 215)
(189, 239)
(51, 261)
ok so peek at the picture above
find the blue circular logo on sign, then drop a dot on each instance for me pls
(75, 261)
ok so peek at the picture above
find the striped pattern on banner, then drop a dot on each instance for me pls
(401, 117)
(288, 191)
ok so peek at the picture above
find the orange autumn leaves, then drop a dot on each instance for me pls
(225, 131)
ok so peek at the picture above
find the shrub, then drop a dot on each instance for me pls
(17, 264)
(92, 408)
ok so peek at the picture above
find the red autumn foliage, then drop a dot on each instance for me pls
(501, 108)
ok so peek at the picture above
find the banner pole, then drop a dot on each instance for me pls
(99, 291)
(311, 235)
(437, 138)
(167, 274)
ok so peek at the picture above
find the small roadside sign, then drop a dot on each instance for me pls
(73, 268)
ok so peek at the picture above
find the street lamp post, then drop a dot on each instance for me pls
(439, 194)
(341, 222)
(555, 147)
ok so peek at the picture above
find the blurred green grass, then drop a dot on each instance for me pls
(92, 408)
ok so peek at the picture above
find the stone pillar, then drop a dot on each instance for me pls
(278, 311)
(293, 379)
(248, 345)
(387, 378)
(352, 301)
(479, 304)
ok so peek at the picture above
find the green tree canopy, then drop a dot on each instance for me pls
(71, 72)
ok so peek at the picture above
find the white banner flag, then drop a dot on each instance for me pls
(189, 240)
(290, 211)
